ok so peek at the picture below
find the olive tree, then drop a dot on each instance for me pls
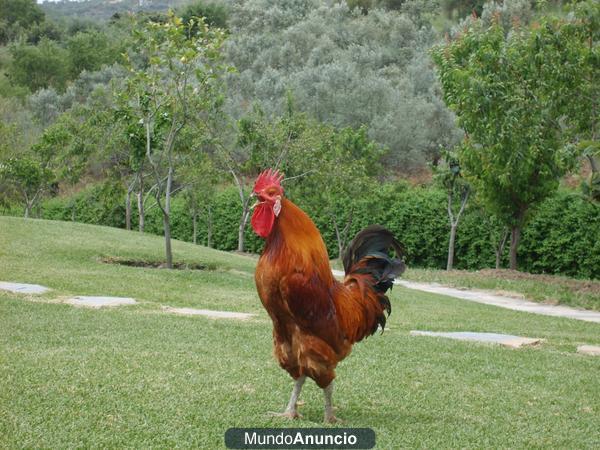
(345, 69)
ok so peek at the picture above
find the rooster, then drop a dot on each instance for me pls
(316, 319)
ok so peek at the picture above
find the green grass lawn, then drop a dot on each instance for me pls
(135, 376)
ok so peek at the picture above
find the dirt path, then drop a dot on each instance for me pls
(489, 298)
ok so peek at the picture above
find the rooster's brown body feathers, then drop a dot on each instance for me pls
(317, 319)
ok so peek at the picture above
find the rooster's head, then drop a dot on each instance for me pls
(269, 193)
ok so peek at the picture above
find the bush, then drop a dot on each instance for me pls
(99, 204)
(560, 238)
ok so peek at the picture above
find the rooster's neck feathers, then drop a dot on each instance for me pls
(296, 241)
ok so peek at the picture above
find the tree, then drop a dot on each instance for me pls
(345, 69)
(65, 148)
(449, 176)
(39, 66)
(512, 93)
(179, 76)
(258, 143)
(214, 14)
(129, 160)
(200, 179)
(347, 162)
(16, 15)
(89, 50)
(585, 105)
(27, 178)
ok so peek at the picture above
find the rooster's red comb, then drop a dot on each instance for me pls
(267, 179)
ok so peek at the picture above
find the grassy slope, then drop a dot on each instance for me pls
(137, 377)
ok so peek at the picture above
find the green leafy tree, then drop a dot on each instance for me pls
(178, 79)
(27, 179)
(200, 178)
(214, 14)
(129, 158)
(16, 15)
(65, 148)
(258, 142)
(513, 93)
(347, 162)
(586, 104)
(89, 50)
(39, 66)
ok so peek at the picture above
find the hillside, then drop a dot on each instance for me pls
(101, 10)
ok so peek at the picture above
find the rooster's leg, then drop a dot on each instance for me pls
(291, 411)
(293, 403)
(329, 416)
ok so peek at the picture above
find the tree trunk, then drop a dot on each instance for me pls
(168, 251)
(342, 235)
(593, 163)
(338, 237)
(450, 262)
(73, 204)
(141, 213)
(500, 248)
(454, 224)
(195, 226)
(242, 227)
(27, 210)
(166, 219)
(515, 237)
(245, 210)
(209, 227)
(128, 210)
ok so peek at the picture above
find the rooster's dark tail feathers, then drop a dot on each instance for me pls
(368, 254)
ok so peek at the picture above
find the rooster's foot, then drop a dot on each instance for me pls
(286, 414)
(330, 418)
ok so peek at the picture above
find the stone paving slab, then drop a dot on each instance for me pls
(100, 302)
(488, 298)
(507, 340)
(23, 288)
(592, 350)
(209, 313)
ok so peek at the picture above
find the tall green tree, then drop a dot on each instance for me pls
(177, 80)
(513, 94)
(347, 162)
(587, 104)
(258, 142)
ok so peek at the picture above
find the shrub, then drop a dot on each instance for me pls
(560, 237)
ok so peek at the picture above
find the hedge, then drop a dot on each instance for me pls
(561, 236)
